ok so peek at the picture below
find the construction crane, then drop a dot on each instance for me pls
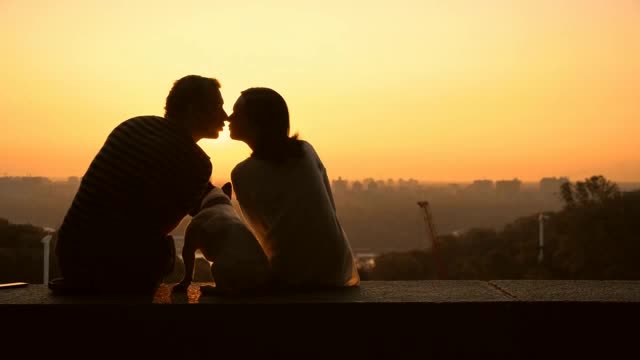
(435, 245)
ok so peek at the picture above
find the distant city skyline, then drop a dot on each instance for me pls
(544, 183)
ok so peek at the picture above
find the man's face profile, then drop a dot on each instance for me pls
(213, 117)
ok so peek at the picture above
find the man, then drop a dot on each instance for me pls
(147, 176)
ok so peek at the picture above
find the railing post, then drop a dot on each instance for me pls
(46, 242)
(541, 218)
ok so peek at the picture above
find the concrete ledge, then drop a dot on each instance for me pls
(418, 292)
(450, 318)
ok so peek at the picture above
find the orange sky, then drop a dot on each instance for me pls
(433, 90)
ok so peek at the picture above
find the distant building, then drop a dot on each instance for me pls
(34, 180)
(356, 186)
(413, 183)
(410, 184)
(372, 185)
(454, 189)
(339, 185)
(481, 187)
(508, 188)
(551, 185)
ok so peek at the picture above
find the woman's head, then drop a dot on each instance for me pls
(260, 114)
(261, 119)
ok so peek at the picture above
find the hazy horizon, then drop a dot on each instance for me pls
(525, 182)
(440, 92)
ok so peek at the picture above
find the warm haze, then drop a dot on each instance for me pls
(439, 91)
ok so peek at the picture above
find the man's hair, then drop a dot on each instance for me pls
(190, 91)
(268, 112)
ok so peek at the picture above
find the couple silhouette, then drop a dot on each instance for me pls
(150, 173)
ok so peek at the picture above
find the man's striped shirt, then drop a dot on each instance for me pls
(146, 177)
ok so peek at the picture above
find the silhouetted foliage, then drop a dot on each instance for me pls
(595, 236)
(21, 252)
(595, 189)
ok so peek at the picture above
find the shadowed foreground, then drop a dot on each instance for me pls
(450, 318)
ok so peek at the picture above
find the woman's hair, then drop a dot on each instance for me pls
(268, 112)
(190, 91)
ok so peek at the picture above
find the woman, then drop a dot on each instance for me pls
(284, 194)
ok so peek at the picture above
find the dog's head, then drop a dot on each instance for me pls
(218, 196)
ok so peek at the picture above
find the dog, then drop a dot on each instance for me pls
(239, 262)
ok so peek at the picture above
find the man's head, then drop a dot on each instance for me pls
(196, 101)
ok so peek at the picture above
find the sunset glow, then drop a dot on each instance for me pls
(431, 90)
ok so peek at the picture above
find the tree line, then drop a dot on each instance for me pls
(596, 235)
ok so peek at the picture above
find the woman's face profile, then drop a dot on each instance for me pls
(239, 126)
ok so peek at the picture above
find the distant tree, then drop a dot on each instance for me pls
(20, 252)
(566, 191)
(595, 189)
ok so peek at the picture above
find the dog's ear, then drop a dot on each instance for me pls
(227, 189)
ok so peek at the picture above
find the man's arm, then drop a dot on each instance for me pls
(176, 205)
